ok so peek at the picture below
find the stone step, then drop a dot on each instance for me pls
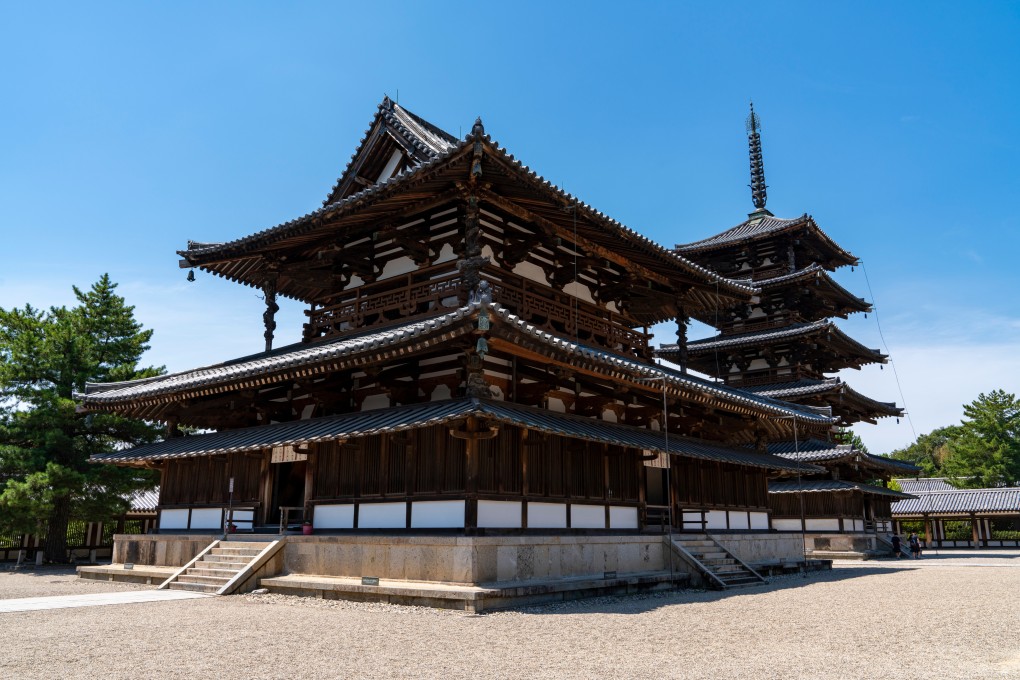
(728, 569)
(714, 555)
(695, 545)
(235, 552)
(195, 587)
(206, 571)
(218, 581)
(224, 559)
(742, 583)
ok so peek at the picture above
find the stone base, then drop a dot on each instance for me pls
(764, 548)
(472, 598)
(116, 572)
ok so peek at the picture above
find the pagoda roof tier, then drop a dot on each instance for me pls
(402, 418)
(836, 349)
(820, 452)
(451, 175)
(850, 405)
(961, 503)
(149, 397)
(762, 226)
(815, 280)
(832, 486)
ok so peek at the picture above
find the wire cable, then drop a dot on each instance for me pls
(896, 375)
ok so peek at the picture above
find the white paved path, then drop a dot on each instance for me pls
(27, 604)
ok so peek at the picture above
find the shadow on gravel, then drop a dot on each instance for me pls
(646, 602)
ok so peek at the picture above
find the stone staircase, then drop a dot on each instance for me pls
(217, 567)
(719, 568)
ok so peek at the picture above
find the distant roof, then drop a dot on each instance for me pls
(412, 416)
(144, 501)
(960, 502)
(830, 486)
(761, 225)
(809, 387)
(772, 336)
(925, 484)
(817, 451)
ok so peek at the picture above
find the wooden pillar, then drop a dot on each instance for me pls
(975, 537)
(927, 531)
(269, 316)
(311, 469)
(265, 488)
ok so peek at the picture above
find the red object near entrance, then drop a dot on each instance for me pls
(306, 529)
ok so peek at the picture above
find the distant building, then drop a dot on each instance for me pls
(960, 518)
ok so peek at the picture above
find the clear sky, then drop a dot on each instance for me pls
(127, 129)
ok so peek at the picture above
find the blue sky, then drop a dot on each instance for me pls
(128, 129)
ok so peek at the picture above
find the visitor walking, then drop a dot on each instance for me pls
(915, 546)
(897, 547)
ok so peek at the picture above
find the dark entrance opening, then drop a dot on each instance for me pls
(288, 488)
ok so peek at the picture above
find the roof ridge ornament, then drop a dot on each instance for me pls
(758, 186)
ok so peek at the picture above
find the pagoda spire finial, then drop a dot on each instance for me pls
(758, 187)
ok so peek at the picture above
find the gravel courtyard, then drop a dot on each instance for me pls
(955, 616)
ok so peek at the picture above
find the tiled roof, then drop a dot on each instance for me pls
(144, 501)
(267, 363)
(811, 387)
(434, 413)
(428, 140)
(817, 451)
(925, 484)
(632, 367)
(775, 335)
(814, 272)
(103, 394)
(198, 254)
(759, 226)
(961, 502)
(831, 485)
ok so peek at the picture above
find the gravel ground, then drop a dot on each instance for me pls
(953, 617)
(53, 581)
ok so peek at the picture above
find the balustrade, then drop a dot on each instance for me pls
(428, 291)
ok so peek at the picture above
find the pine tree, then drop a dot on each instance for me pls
(987, 451)
(45, 358)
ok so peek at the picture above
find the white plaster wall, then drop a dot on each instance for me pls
(441, 393)
(375, 401)
(623, 517)
(531, 271)
(759, 520)
(758, 364)
(786, 524)
(738, 520)
(822, 524)
(401, 265)
(547, 516)
(207, 518)
(609, 415)
(382, 516)
(243, 518)
(499, 514)
(715, 519)
(446, 254)
(587, 517)
(173, 519)
(436, 514)
(557, 405)
(333, 516)
(579, 290)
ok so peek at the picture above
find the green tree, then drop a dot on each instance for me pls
(847, 436)
(930, 451)
(45, 443)
(987, 451)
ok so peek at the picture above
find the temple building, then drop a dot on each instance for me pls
(945, 516)
(475, 374)
(785, 345)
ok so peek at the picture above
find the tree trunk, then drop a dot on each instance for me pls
(55, 545)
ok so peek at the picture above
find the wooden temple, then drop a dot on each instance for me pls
(476, 358)
(785, 345)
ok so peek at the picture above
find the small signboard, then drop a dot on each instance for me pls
(369, 580)
(231, 489)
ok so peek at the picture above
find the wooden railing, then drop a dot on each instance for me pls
(431, 290)
(405, 297)
(769, 376)
(754, 325)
